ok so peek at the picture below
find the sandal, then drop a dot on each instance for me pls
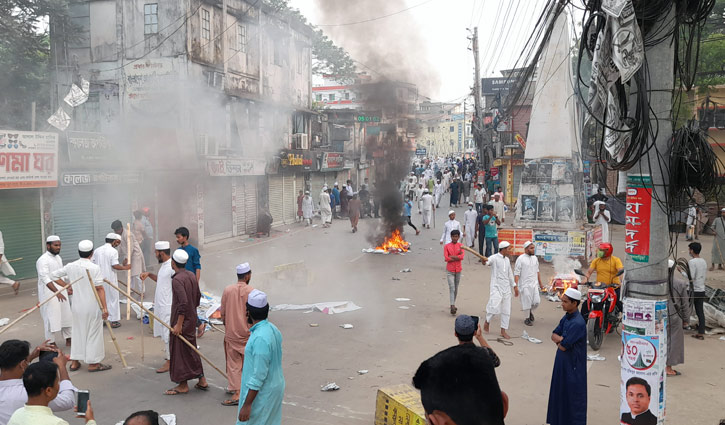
(115, 325)
(73, 369)
(527, 322)
(677, 373)
(101, 368)
(174, 391)
(202, 387)
(699, 336)
(230, 402)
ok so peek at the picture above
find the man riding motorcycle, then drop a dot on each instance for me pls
(608, 268)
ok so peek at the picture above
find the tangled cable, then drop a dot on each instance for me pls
(693, 164)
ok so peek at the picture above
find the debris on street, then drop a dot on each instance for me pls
(330, 386)
(334, 307)
(346, 326)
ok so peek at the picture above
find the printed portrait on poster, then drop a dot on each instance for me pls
(546, 210)
(565, 208)
(528, 174)
(528, 207)
(561, 172)
(544, 173)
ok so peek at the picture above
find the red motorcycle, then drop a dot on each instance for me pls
(604, 316)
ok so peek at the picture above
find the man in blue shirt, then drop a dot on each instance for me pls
(262, 388)
(490, 223)
(568, 392)
(336, 196)
(193, 265)
(407, 207)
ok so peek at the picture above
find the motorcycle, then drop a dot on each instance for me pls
(604, 315)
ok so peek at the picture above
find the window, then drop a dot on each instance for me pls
(242, 38)
(451, 129)
(332, 97)
(205, 25)
(318, 97)
(151, 18)
(347, 96)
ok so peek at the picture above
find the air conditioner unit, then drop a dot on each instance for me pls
(300, 141)
(207, 146)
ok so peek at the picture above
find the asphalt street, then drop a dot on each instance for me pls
(389, 338)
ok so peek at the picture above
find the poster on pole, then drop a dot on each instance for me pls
(637, 217)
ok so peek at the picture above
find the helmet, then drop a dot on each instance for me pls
(607, 248)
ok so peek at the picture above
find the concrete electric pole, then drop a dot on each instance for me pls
(647, 240)
(477, 116)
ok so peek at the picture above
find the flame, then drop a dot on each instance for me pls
(563, 281)
(394, 243)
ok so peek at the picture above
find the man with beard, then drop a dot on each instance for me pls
(185, 363)
(528, 278)
(106, 257)
(163, 297)
(263, 384)
(56, 314)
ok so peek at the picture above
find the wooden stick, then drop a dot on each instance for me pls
(10, 261)
(181, 337)
(129, 252)
(143, 290)
(37, 306)
(125, 286)
(474, 253)
(214, 326)
(108, 324)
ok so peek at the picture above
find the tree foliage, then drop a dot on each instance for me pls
(711, 64)
(329, 59)
(24, 59)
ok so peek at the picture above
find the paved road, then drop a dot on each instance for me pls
(388, 341)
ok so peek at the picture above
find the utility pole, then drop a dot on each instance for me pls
(647, 232)
(477, 116)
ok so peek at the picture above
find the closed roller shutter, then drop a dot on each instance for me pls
(517, 180)
(241, 217)
(290, 199)
(317, 180)
(72, 212)
(20, 225)
(276, 199)
(217, 208)
(250, 205)
(110, 203)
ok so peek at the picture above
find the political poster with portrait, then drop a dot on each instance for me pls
(545, 210)
(565, 209)
(528, 207)
(544, 173)
(642, 393)
(528, 174)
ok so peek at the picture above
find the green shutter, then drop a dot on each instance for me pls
(111, 203)
(20, 224)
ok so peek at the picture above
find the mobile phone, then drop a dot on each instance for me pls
(47, 356)
(83, 397)
(475, 322)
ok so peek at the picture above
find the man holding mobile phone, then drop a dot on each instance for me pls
(42, 383)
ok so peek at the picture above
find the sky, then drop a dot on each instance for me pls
(503, 26)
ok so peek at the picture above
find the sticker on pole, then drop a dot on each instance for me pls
(640, 352)
(637, 217)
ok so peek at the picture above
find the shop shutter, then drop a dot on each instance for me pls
(276, 199)
(217, 208)
(72, 213)
(241, 217)
(110, 203)
(250, 205)
(517, 180)
(20, 224)
(290, 199)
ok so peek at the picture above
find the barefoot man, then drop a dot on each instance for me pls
(502, 280)
(185, 363)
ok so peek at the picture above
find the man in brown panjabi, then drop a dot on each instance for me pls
(185, 362)
(354, 207)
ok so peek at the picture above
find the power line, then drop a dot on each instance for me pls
(376, 18)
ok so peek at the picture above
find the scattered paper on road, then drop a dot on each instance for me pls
(526, 336)
(402, 299)
(406, 271)
(346, 326)
(333, 307)
(4, 321)
(331, 386)
(362, 372)
(596, 357)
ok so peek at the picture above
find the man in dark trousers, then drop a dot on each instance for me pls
(568, 392)
(185, 362)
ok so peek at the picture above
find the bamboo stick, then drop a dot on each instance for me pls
(215, 327)
(129, 252)
(108, 324)
(125, 286)
(181, 337)
(143, 290)
(37, 306)
(11, 261)
(475, 253)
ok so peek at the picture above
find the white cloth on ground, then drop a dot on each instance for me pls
(105, 257)
(56, 314)
(87, 321)
(527, 269)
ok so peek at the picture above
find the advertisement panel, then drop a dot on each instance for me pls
(332, 161)
(298, 160)
(516, 237)
(28, 159)
(637, 217)
(235, 167)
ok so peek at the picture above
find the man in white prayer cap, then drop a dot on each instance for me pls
(528, 278)
(449, 225)
(185, 363)
(87, 332)
(308, 208)
(263, 384)
(325, 207)
(236, 328)
(162, 297)
(106, 257)
(56, 314)
(502, 280)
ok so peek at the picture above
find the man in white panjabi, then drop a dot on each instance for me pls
(88, 317)
(502, 280)
(56, 314)
(602, 217)
(6, 269)
(469, 225)
(325, 208)
(528, 279)
(162, 297)
(451, 224)
(106, 257)
(133, 256)
(428, 207)
(438, 190)
(308, 208)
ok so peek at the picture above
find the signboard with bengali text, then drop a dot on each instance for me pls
(516, 237)
(236, 167)
(637, 217)
(28, 159)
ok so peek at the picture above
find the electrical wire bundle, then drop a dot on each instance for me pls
(693, 164)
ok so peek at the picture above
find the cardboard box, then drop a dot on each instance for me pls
(399, 405)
